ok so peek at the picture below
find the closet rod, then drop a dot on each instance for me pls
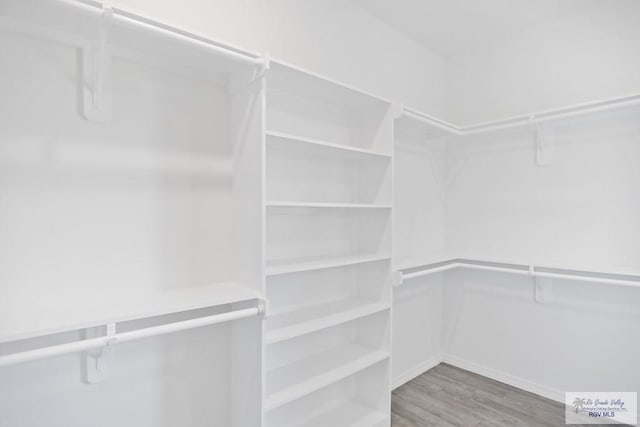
(527, 119)
(117, 338)
(130, 19)
(524, 270)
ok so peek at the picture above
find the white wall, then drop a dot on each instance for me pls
(590, 55)
(417, 327)
(586, 338)
(583, 212)
(418, 239)
(335, 38)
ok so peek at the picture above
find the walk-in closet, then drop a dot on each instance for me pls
(343, 213)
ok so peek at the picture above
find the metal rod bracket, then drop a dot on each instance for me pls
(95, 367)
(542, 289)
(396, 278)
(96, 74)
(544, 145)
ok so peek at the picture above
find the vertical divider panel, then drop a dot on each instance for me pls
(247, 130)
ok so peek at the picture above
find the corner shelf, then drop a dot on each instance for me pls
(299, 379)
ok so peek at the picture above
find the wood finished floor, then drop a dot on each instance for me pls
(448, 396)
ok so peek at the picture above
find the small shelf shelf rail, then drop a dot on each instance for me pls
(118, 338)
(538, 117)
(630, 280)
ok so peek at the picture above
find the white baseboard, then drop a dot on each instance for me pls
(512, 380)
(417, 370)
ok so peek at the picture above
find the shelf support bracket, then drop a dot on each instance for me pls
(95, 369)
(542, 289)
(396, 278)
(96, 74)
(396, 110)
(544, 145)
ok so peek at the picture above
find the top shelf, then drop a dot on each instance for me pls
(18, 324)
(304, 83)
(81, 24)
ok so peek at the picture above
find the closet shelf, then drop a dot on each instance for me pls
(284, 204)
(64, 317)
(292, 324)
(308, 84)
(434, 127)
(319, 144)
(293, 266)
(349, 414)
(619, 279)
(291, 382)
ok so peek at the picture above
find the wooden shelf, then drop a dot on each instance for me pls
(310, 319)
(299, 379)
(294, 266)
(16, 324)
(285, 204)
(349, 414)
(344, 149)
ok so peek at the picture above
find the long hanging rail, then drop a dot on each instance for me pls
(118, 338)
(525, 270)
(119, 16)
(526, 119)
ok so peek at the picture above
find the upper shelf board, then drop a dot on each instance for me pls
(83, 24)
(631, 279)
(290, 78)
(18, 323)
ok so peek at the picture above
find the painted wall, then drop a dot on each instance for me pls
(583, 212)
(418, 239)
(585, 338)
(335, 38)
(590, 55)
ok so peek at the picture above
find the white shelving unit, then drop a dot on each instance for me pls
(152, 178)
(328, 246)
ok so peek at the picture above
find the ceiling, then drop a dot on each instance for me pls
(449, 27)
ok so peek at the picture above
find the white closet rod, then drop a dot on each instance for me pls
(528, 119)
(127, 18)
(521, 270)
(109, 340)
